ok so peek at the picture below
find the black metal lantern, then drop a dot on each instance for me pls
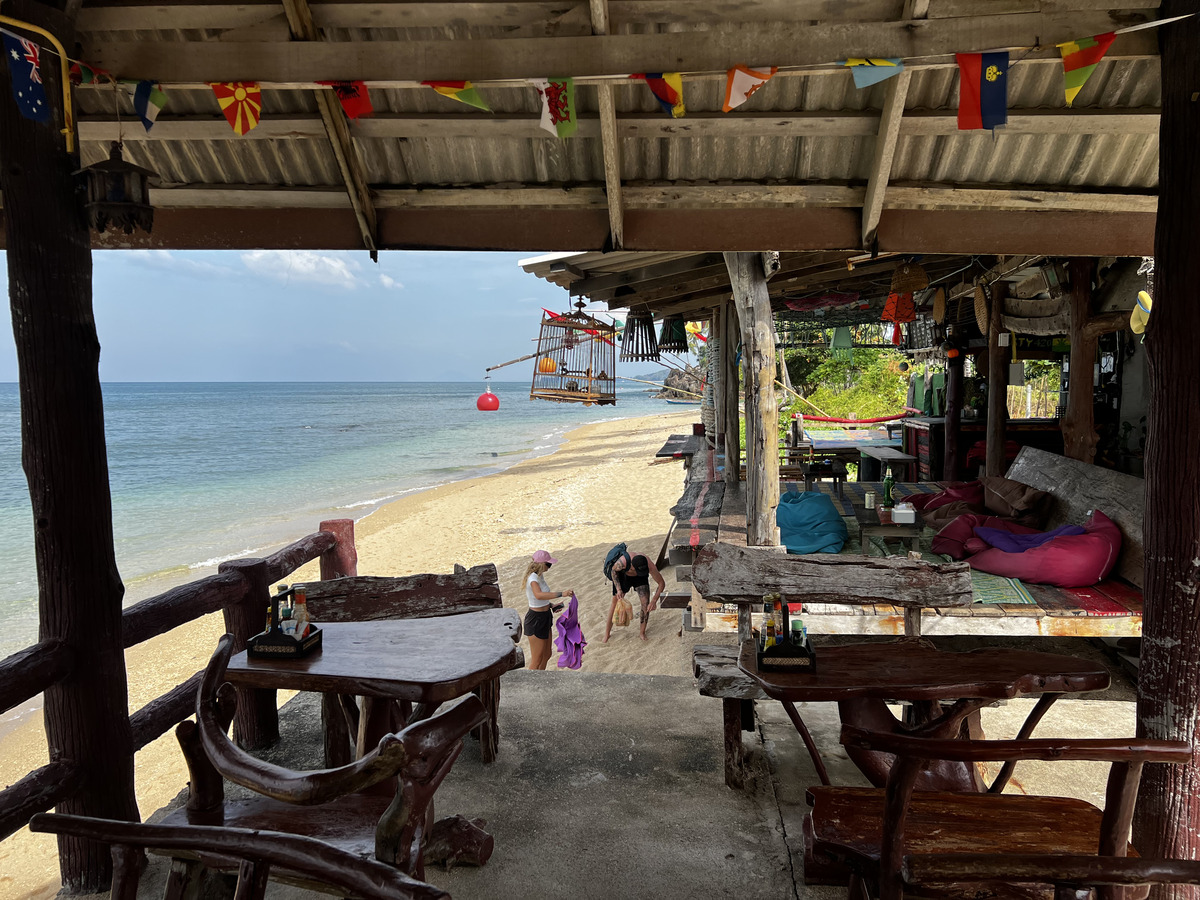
(118, 194)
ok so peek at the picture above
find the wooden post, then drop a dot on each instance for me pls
(733, 419)
(716, 372)
(753, 304)
(64, 457)
(256, 723)
(997, 383)
(1168, 815)
(1078, 424)
(954, 402)
(342, 560)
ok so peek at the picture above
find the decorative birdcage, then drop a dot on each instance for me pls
(638, 343)
(672, 338)
(576, 360)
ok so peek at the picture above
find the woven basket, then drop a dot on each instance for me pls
(939, 306)
(981, 309)
(908, 278)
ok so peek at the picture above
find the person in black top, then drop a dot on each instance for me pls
(633, 572)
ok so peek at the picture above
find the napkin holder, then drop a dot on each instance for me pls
(275, 644)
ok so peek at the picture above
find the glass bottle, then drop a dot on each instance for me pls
(300, 612)
(888, 483)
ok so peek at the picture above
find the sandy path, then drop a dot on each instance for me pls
(602, 486)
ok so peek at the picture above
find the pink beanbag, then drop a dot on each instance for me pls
(957, 540)
(1075, 560)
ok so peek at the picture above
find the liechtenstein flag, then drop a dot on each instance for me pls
(27, 86)
(982, 90)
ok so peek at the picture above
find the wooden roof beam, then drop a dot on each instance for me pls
(303, 28)
(610, 143)
(895, 95)
(490, 59)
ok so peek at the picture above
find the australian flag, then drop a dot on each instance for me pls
(27, 88)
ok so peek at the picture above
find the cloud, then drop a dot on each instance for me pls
(389, 282)
(176, 263)
(305, 265)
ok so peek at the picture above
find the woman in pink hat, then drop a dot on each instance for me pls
(538, 619)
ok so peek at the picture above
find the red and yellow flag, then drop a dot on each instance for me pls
(1079, 61)
(241, 101)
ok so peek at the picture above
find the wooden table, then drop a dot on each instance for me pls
(421, 661)
(869, 526)
(946, 690)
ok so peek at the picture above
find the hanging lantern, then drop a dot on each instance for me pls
(487, 402)
(118, 194)
(638, 343)
(673, 336)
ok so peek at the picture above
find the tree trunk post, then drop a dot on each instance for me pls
(65, 460)
(1167, 823)
(342, 560)
(256, 722)
(997, 384)
(1078, 424)
(954, 402)
(733, 420)
(753, 305)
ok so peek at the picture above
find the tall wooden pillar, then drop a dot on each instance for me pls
(730, 338)
(64, 457)
(997, 384)
(1078, 424)
(753, 304)
(954, 403)
(1168, 814)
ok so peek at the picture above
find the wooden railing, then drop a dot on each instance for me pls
(241, 589)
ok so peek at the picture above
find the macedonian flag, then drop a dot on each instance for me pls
(241, 101)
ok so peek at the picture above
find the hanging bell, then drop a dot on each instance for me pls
(672, 338)
(638, 343)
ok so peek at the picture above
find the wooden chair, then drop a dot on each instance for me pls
(378, 807)
(895, 839)
(368, 598)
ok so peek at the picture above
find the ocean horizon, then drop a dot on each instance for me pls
(205, 472)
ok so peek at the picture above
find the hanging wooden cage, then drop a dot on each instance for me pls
(638, 343)
(672, 338)
(576, 360)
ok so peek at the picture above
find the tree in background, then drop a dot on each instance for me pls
(864, 384)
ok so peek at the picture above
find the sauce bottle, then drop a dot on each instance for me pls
(300, 611)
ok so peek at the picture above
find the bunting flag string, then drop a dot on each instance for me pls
(462, 91)
(353, 95)
(24, 67)
(872, 70)
(241, 102)
(1080, 58)
(742, 81)
(558, 105)
(982, 90)
(82, 73)
(667, 88)
(148, 101)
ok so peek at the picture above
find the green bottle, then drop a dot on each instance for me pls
(888, 483)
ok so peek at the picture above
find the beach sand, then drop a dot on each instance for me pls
(603, 486)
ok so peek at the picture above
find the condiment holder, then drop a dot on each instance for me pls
(280, 642)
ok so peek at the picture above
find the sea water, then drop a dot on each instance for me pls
(203, 473)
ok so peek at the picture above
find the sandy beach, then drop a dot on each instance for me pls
(602, 486)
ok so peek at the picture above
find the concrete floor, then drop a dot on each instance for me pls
(611, 786)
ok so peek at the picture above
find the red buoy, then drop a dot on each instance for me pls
(487, 402)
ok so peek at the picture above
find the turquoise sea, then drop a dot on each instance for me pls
(203, 473)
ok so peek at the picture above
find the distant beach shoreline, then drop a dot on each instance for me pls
(599, 485)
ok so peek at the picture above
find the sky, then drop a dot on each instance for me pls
(305, 315)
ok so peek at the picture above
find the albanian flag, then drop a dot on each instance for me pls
(353, 96)
(241, 101)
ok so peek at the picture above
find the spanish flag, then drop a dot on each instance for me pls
(1079, 61)
(982, 90)
(462, 91)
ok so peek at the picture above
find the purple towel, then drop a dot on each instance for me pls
(1019, 543)
(570, 642)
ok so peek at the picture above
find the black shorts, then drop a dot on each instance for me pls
(537, 623)
(628, 584)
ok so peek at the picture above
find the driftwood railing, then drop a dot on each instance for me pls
(241, 589)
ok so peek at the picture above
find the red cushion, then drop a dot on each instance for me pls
(957, 540)
(1074, 560)
(969, 491)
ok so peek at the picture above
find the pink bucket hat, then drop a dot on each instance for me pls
(541, 556)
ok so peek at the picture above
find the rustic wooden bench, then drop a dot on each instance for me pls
(717, 675)
(368, 598)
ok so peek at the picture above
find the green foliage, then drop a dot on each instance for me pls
(868, 385)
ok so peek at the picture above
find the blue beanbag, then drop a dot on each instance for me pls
(810, 523)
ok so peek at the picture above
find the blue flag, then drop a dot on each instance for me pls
(27, 86)
(869, 71)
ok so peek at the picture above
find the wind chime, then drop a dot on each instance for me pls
(638, 343)
(576, 360)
